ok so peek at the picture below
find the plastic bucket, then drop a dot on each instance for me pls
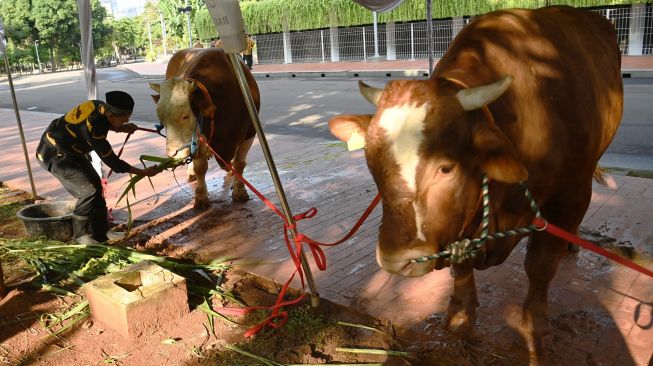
(51, 219)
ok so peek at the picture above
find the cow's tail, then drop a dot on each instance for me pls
(599, 176)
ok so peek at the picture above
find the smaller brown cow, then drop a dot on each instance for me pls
(551, 81)
(185, 111)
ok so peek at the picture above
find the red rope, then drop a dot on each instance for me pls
(278, 319)
(554, 230)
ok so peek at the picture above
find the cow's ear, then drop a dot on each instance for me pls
(156, 97)
(156, 87)
(499, 159)
(344, 126)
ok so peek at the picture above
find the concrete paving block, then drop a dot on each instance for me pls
(139, 299)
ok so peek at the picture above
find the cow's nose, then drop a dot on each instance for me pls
(400, 264)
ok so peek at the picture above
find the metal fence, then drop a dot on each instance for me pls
(407, 41)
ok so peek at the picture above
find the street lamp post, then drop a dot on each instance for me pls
(149, 36)
(38, 59)
(187, 9)
(163, 34)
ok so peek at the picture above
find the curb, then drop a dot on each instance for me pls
(636, 74)
(625, 74)
(346, 74)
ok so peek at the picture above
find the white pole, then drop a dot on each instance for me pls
(163, 34)
(412, 42)
(38, 59)
(429, 34)
(190, 34)
(364, 48)
(322, 43)
(228, 20)
(376, 36)
(149, 36)
(88, 60)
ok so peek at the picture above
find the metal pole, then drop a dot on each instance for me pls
(376, 36)
(163, 34)
(429, 34)
(20, 127)
(364, 48)
(236, 64)
(412, 42)
(38, 59)
(322, 43)
(190, 34)
(149, 36)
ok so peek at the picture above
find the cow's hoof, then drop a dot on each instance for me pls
(202, 204)
(228, 180)
(240, 197)
(458, 323)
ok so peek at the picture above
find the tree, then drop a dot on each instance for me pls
(57, 25)
(19, 25)
(125, 35)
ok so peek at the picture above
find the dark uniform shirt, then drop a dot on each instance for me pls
(83, 129)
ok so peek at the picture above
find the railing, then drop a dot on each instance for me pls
(634, 25)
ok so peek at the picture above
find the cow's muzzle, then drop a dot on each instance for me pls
(399, 263)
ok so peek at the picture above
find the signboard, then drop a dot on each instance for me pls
(3, 42)
(228, 20)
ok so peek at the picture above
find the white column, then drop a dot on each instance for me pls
(390, 46)
(636, 29)
(335, 47)
(376, 35)
(287, 49)
(456, 26)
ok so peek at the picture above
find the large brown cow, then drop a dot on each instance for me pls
(181, 102)
(551, 79)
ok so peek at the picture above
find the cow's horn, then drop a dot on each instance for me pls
(370, 93)
(475, 98)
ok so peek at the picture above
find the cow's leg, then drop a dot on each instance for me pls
(190, 170)
(461, 312)
(200, 166)
(542, 258)
(239, 193)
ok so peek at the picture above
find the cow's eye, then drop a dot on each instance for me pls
(446, 169)
(185, 116)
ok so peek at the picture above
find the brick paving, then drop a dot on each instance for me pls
(601, 313)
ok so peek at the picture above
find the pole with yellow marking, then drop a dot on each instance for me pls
(228, 20)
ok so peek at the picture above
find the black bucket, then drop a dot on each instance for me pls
(51, 219)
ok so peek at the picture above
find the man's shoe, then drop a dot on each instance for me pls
(81, 232)
(115, 235)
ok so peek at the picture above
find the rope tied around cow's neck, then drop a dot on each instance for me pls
(465, 249)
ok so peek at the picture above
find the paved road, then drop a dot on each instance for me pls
(302, 107)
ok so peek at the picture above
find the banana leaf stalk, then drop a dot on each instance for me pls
(163, 164)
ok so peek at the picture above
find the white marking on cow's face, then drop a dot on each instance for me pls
(419, 220)
(173, 110)
(404, 127)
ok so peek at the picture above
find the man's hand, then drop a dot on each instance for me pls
(151, 171)
(127, 128)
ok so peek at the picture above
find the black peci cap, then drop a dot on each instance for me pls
(120, 102)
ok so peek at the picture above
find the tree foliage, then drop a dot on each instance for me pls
(19, 25)
(55, 24)
(269, 16)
